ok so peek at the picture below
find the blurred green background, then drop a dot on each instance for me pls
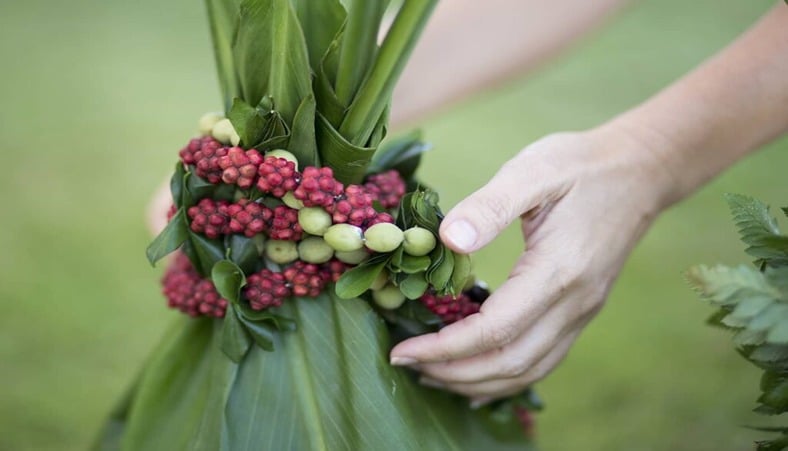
(97, 97)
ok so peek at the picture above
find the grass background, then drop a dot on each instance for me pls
(97, 97)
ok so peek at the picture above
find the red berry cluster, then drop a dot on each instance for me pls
(239, 167)
(186, 291)
(386, 188)
(204, 154)
(266, 289)
(277, 176)
(210, 217)
(448, 308)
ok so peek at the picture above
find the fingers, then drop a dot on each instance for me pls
(504, 316)
(521, 185)
(486, 391)
(515, 359)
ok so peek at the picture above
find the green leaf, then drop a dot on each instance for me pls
(410, 264)
(228, 279)
(247, 121)
(359, 45)
(243, 252)
(320, 22)
(196, 188)
(235, 338)
(262, 333)
(413, 286)
(440, 276)
(757, 228)
(204, 253)
(358, 280)
(223, 19)
(170, 239)
(375, 92)
(462, 270)
(271, 56)
(348, 161)
(303, 140)
(176, 184)
(402, 154)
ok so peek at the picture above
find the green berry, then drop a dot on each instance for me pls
(290, 200)
(224, 132)
(380, 281)
(314, 220)
(418, 241)
(281, 252)
(383, 237)
(344, 237)
(352, 257)
(281, 153)
(315, 250)
(388, 297)
(207, 121)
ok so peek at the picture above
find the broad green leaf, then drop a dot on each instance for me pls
(356, 281)
(348, 161)
(170, 239)
(196, 188)
(204, 253)
(320, 22)
(247, 121)
(243, 252)
(462, 270)
(261, 332)
(328, 104)
(271, 56)
(359, 46)
(228, 279)
(176, 184)
(374, 94)
(235, 338)
(411, 265)
(223, 19)
(402, 154)
(440, 276)
(413, 286)
(303, 140)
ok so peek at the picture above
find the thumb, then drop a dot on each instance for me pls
(480, 217)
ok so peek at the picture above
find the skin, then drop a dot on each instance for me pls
(584, 200)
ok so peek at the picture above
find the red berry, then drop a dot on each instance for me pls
(354, 207)
(305, 279)
(333, 270)
(210, 218)
(284, 225)
(186, 291)
(204, 155)
(249, 218)
(266, 289)
(378, 219)
(448, 308)
(318, 187)
(277, 176)
(386, 187)
(239, 166)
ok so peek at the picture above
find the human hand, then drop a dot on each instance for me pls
(585, 199)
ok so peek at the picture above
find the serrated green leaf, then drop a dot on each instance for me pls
(170, 239)
(235, 338)
(247, 121)
(358, 280)
(413, 286)
(228, 279)
(757, 228)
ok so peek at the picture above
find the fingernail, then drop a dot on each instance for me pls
(403, 361)
(479, 402)
(462, 234)
(430, 382)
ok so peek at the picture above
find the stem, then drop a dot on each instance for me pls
(359, 43)
(374, 94)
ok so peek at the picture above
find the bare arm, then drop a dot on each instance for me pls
(586, 198)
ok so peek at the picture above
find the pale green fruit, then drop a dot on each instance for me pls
(224, 132)
(344, 237)
(314, 220)
(388, 297)
(418, 241)
(315, 250)
(290, 200)
(380, 281)
(281, 252)
(383, 237)
(207, 121)
(281, 153)
(352, 257)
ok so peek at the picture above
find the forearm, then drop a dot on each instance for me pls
(471, 44)
(731, 105)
